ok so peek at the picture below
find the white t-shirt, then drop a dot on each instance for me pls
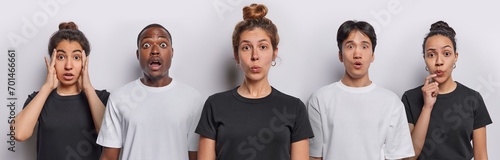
(152, 122)
(358, 123)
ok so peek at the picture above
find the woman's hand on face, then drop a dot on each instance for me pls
(51, 80)
(84, 80)
(430, 91)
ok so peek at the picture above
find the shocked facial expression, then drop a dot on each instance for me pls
(155, 53)
(255, 54)
(68, 62)
(357, 55)
(440, 57)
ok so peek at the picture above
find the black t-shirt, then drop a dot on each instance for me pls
(65, 127)
(246, 129)
(454, 117)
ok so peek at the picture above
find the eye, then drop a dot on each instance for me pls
(350, 46)
(430, 55)
(76, 57)
(365, 47)
(146, 45)
(245, 48)
(60, 57)
(447, 54)
(163, 45)
(263, 47)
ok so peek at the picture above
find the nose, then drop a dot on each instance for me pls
(357, 53)
(68, 64)
(439, 60)
(155, 50)
(255, 55)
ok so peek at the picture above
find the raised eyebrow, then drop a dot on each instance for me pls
(366, 42)
(430, 49)
(60, 50)
(77, 50)
(446, 46)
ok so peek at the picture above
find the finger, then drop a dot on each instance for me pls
(429, 78)
(84, 59)
(53, 58)
(46, 62)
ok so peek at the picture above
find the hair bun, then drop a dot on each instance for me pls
(68, 25)
(254, 11)
(442, 26)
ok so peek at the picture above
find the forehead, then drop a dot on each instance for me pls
(357, 36)
(66, 44)
(254, 34)
(152, 32)
(438, 41)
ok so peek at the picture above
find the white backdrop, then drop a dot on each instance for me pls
(202, 29)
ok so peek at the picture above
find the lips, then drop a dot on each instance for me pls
(255, 69)
(155, 63)
(439, 72)
(68, 76)
(357, 65)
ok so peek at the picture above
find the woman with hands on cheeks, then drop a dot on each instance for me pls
(444, 115)
(67, 108)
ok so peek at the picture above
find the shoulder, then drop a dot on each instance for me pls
(285, 98)
(327, 90)
(186, 89)
(414, 91)
(224, 95)
(466, 90)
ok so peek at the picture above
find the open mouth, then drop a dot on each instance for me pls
(155, 64)
(68, 76)
(357, 65)
(439, 72)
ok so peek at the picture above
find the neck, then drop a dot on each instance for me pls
(447, 86)
(67, 90)
(356, 82)
(255, 89)
(160, 82)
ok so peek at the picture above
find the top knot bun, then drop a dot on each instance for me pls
(254, 11)
(442, 26)
(68, 25)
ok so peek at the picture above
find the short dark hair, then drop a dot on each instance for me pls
(150, 26)
(348, 26)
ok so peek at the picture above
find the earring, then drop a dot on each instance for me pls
(454, 65)
(238, 65)
(426, 68)
(273, 63)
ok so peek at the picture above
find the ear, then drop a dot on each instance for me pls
(456, 57)
(236, 57)
(137, 54)
(373, 57)
(340, 57)
(172, 53)
(275, 54)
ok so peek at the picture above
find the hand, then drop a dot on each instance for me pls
(52, 82)
(430, 91)
(84, 79)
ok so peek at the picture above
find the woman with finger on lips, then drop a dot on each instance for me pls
(445, 116)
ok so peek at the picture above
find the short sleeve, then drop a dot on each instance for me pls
(481, 115)
(302, 127)
(29, 99)
(407, 107)
(110, 134)
(398, 143)
(193, 138)
(103, 96)
(316, 143)
(206, 126)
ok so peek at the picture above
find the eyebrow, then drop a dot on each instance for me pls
(246, 41)
(363, 42)
(433, 49)
(76, 50)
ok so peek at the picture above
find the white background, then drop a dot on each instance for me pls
(203, 58)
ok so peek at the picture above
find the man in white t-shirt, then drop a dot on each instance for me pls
(153, 117)
(353, 118)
